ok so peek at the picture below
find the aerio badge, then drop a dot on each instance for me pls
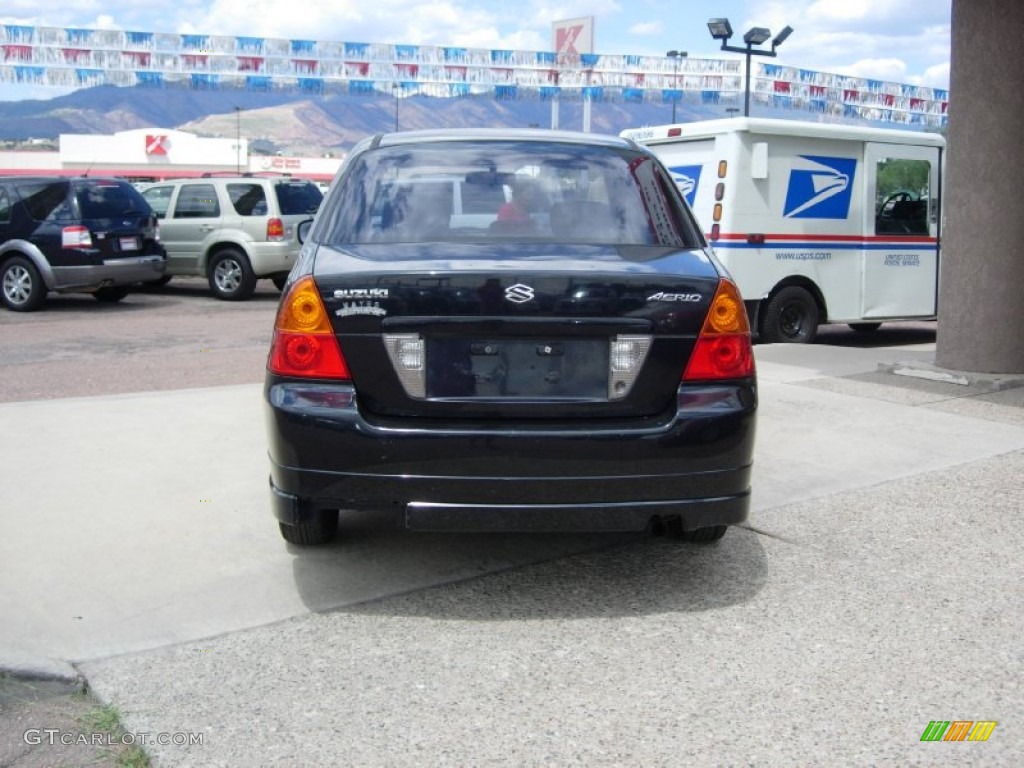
(820, 188)
(519, 293)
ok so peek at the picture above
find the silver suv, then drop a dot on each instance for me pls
(233, 230)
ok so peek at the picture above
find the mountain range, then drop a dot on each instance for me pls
(300, 124)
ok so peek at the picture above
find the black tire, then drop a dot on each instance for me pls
(790, 316)
(279, 282)
(698, 535)
(865, 327)
(21, 286)
(320, 530)
(230, 275)
(110, 294)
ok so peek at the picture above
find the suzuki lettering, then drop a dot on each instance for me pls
(519, 293)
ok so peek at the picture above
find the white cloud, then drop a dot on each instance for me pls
(934, 77)
(894, 70)
(906, 41)
(646, 28)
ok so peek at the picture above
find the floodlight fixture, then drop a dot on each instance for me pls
(720, 29)
(781, 37)
(756, 35)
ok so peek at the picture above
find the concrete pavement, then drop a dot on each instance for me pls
(875, 589)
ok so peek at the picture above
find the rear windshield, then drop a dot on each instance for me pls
(472, 191)
(295, 197)
(100, 199)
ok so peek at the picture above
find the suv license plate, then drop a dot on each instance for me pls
(129, 244)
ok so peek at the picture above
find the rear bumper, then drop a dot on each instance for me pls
(112, 272)
(693, 464)
(270, 258)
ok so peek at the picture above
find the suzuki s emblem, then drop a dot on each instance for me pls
(519, 293)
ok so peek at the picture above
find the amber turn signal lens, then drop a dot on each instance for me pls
(302, 310)
(727, 313)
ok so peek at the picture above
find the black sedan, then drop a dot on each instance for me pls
(509, 331)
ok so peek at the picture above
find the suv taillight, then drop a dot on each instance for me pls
(275, 229)
(304, 344)
(723, 349)
(76, 237)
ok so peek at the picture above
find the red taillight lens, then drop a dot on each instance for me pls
(275, 229)
(76, 237)
(723, 350)
(304, 344)
(720, 357)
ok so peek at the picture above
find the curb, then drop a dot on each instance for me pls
(39, 668)
(921, 369)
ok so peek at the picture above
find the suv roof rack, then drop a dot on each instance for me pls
(243, 174)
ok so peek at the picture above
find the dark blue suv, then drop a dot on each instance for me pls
(66, 235)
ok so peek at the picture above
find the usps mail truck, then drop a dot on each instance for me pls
(817, 223)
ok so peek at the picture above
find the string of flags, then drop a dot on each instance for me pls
(70, 57)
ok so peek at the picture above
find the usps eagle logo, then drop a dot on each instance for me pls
(820, 188)
(687, 177)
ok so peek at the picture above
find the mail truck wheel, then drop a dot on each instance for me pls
(231, 276)
(320, 530)
(21, 287)
(790, 316)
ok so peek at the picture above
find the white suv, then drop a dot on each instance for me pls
(233, 230)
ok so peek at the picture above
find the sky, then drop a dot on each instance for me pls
(906, 41)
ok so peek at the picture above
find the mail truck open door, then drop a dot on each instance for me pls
(901, 266)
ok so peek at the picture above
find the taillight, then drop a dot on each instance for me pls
(723, 349)
(304, 344)
(76, 237)
(275, 229)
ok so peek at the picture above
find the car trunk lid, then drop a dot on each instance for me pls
(555, 332)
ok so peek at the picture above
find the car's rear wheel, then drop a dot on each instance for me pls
(320, 530)
(110, 294)
(21, 286)
(790, 316)
(865, 327)
(231, 276)
(697, 535)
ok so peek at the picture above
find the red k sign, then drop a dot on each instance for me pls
(157, 145)
(565, 39)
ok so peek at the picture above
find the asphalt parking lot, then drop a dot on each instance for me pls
(875, 589)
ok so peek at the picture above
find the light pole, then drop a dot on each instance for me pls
(721, 29)
(238, 140)
(394, 90)
(675, 56)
